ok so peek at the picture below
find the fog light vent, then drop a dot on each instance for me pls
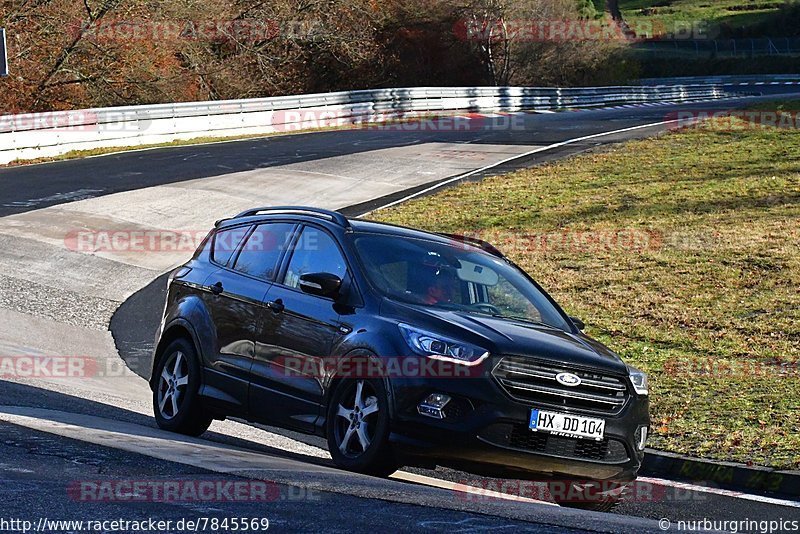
(433, 405)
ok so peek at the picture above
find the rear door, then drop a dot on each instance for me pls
(298, 334)
(225, 373)
(247, 258)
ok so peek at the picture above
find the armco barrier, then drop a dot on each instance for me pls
(726, 79)
(38, 135)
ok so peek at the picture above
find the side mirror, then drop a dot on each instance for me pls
(320, 284)
(578, 323)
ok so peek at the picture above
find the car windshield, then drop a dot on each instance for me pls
(453, 276)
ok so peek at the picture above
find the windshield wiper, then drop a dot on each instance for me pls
(521, 319)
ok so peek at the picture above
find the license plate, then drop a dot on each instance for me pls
(567, 425)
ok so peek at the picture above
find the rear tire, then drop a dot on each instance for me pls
(357, 428)
(176, 399)
(596, 496)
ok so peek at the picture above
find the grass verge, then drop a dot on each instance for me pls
(684, 15)
(681, 253)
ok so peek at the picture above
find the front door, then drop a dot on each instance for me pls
(298, 333)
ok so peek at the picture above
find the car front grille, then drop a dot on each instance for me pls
(520, 437)
(535, 384)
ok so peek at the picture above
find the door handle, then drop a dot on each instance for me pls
(276, 305)
(216, 288)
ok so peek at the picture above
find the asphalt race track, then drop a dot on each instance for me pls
(103, 306)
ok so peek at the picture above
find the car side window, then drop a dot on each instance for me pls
(315, 252)
(260, 254)
(226, 242)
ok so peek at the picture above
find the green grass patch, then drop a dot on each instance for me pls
(707, 302)
(781, 106)
(669, 15)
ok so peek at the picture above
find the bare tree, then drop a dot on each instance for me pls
(88, 53)
(486, 23)
(75, 54)
(612, 6)
(519, 43)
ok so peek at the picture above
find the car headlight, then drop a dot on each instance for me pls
(639, 380)
(441, 348)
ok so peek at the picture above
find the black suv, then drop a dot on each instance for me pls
(401, 347)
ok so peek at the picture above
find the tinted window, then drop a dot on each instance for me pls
(260, 254)
(453, 277)
(226, 242)
(205, 245)
(315, 252)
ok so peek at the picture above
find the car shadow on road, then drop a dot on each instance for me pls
(16, 394)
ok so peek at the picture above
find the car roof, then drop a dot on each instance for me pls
(376, 227)
(326, 217)
(335, 219)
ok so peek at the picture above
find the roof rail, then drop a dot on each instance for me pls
(483, 245)
(334, 216)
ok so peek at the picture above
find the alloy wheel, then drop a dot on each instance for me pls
(356, 420)
(172, 385)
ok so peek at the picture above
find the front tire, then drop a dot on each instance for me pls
(357, 428)
(176, 400)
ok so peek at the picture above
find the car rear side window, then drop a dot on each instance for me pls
(226, 242)
(260, 254)
(315, 252)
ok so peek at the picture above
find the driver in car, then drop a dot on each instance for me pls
(441, 288)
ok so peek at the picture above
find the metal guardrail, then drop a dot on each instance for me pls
(35, 135)
(726, 79)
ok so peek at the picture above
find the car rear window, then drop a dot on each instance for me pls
(226, 242)
(260, 254)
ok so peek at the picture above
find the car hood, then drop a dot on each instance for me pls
(510, 337)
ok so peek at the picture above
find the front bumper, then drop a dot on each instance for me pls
(486, 432)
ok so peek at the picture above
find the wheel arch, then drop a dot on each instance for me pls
(178, 329)
(334, 381)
